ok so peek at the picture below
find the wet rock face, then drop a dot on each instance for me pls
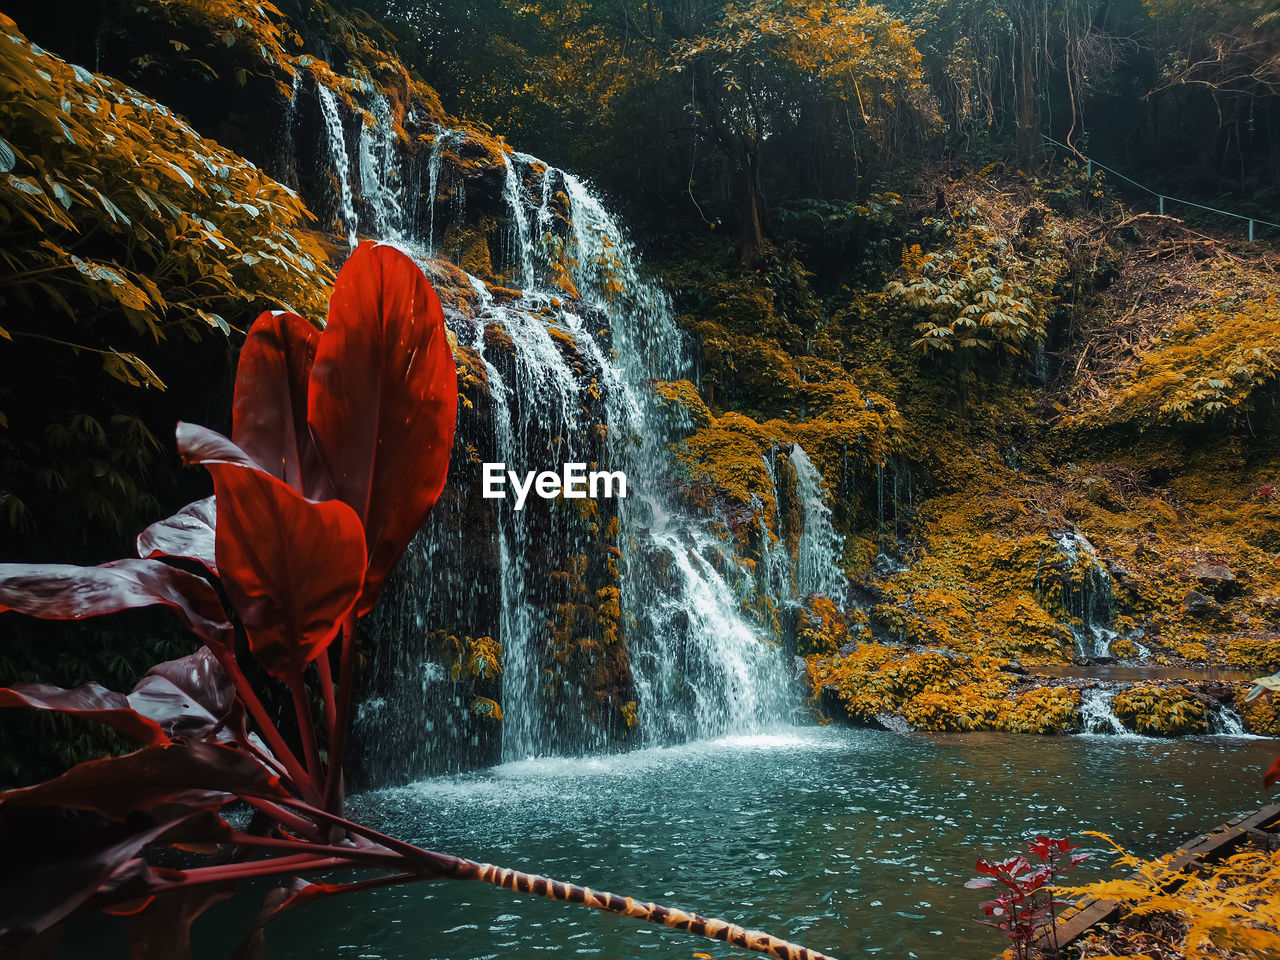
(1216, 579)
(1196, 604)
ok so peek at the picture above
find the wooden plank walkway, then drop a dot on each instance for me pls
(1075, 921)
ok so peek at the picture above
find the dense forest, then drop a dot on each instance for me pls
(939, 340)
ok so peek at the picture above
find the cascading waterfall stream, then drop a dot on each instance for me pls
(1225, 722)
(699, 665)
(817, 567)
(340, 159)
(1097, 715)
(379, 174)
(1088, 596)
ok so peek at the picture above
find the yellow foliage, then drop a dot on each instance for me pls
(987, 286)
(821, 629)
(1160, 711)
(937, 692)
(1226, 910)
(1207, 364)
(186, 230)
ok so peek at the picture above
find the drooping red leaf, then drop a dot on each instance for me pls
(162, 929)
(174, 775)
(383, 401)
(53, 865)
(188, 697)
(1272, 776)
(92, 701)
(298, 893)
(292, 567)
(63, 591)
(188, 534)
(197, 444)
(270, 412)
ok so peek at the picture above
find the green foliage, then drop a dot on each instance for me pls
(987, 288)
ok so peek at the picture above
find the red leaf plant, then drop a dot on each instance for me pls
(1024, 907)
(340, 446)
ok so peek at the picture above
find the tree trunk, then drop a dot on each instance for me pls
(750, 231)
(1028, 112)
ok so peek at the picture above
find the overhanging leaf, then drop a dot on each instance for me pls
(53, 865)
(188, 697)
(292, 567)
(64, 591)
(197, 444)
(162, 930)
(188, 535)
(92, 701)
(200, 775)
(383, 400)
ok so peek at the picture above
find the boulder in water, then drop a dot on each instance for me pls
(891, 722)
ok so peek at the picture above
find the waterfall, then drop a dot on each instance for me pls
(700, 669)
(1225, 722)
(379, 170)
(775, 572)
(513, 195)
(817, 566)
(339, 160)
(1087, 595)
(1097, 715)
(567, 359)
(434, 159)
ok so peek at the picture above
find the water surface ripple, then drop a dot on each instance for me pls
(851, 842)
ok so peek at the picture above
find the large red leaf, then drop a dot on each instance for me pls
(200, 775)
(1272, 776)
(383, 401)
(270, 412)
(93, 701)
(162, 929)
(189, 697)
(292, 567)
(52, 866)
(63, 591)
(188, 534)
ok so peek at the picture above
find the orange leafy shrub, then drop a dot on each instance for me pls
(939, 692)
(185, 231)
(1222, 911)
(1160, 711)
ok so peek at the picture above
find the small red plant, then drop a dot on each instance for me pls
(340, 446)
(1266, 494)
(1025, 906)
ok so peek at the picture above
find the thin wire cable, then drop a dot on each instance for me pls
(1156, 193)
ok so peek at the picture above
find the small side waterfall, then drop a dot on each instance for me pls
(1087, 596)
(1225, 722)
(340, 161)
(1097, 715)
(821, 547)
(379, 170)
